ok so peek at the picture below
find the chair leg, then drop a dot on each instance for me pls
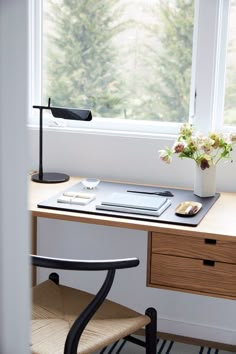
(54, 277)
(151, 331)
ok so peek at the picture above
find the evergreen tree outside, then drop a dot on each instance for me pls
(90, 61)
(230, 92)
(170, 59)
(80, 61)
(230, 97)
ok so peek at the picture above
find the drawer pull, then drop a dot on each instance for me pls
(207, 262)
(210, 241)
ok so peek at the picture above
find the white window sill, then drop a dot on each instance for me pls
(106, 132)
(121, 128)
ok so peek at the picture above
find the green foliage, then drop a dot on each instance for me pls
(230, 97)
(81, 65)
(85, 66)
(171, 60)
(230, 93)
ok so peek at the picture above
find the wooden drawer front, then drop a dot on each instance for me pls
(192, 274)
(194, 247)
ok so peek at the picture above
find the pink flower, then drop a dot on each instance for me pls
(179, 147)
(204, 164)
(207, 144)
(216, 137)
(165, 155)
(233, 138)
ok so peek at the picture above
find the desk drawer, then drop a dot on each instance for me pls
(194, 247)
(193, 274)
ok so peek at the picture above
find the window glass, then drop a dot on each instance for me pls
(127, 59)
(230, 90)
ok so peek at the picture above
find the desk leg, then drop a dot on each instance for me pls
(34, 246)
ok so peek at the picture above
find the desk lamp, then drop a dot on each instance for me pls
(58, 112)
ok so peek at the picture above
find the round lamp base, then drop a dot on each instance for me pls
(50, 177)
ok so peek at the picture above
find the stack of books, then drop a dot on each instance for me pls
(135, 204)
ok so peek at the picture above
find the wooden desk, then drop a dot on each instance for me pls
(198, 259)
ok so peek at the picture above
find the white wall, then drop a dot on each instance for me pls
(130, 159)
(120, 158)
(14, 235)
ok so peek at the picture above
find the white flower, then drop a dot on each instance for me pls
(165, 155)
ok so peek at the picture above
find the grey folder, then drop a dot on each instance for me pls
(134, 204)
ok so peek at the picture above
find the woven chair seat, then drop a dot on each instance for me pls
(55, 307)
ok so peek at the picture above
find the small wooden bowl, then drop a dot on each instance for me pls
(188, 208)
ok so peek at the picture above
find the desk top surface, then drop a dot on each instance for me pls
(220, 219)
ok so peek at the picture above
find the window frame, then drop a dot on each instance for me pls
(222, 69)
(208, 69)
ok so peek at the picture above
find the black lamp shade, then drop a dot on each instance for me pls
(71, 113)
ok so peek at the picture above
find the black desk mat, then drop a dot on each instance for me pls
(106, 188)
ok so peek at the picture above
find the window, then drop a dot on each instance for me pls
(125, 60)
(230, 90)
(139, 65)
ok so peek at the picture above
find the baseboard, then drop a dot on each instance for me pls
(188, 329)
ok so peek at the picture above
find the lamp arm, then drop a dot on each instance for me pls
(58, 112)
(41, 143)
(41, 108)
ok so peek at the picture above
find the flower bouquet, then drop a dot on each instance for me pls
(206, 151)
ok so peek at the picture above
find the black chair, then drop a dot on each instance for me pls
(70, 321)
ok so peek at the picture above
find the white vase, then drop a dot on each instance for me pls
(205, 181)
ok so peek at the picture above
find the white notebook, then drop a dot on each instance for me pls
(149, 202)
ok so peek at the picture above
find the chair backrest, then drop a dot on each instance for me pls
(82, 320)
